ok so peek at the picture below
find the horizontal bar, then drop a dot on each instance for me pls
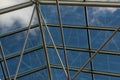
(87, 50)
(60, 47)
(89, 71)
(31, 71)
(70, 68)
(25, 52)
(16, 7)
(17, 31)
(79, 3)
(56, 25)
(84, 27)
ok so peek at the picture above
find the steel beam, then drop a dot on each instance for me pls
(60, 47)
(62, 38)
(25, 52)
(43, 39)
(32, 71)
(89, 71)
(56, 25)
(80, 3)
(16, 7)
(18, 31)
(71, 69)
(97, 52)
(5, 62)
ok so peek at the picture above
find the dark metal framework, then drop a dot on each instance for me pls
(45, 46)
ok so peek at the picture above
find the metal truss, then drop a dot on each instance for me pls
(82, 3)
(43, 25)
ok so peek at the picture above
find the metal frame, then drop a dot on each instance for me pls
(43, 39)
(45, 46)
(62, 38)
(81, 3)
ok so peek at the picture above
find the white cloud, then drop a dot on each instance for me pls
(7, 3)
(104, 9)
(100, 10)
(22, 16)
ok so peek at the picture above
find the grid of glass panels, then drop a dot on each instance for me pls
(59, 40)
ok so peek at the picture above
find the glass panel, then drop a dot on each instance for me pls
(29, 61)
(16, 20)
(108, 63)
(99, 37)
(1, 73)
(75, 37)
(82, 76)
(73, 15)
(8, 3)
(55, 32)
(39, 75)
(104, 16)
(50, 13)
(103, 77)
(58, 74)
(16, 41)
(53, 56)
(70, 14)
(75, 59)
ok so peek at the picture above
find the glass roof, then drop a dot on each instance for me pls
(59, 40)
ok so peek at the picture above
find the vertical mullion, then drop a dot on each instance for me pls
(3, 72)
(5, 62)
(88, 36)
(63, 40)
(43, 39)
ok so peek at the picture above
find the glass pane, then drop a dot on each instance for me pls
(8, 3)
(29, 61)
(55, 32)
(15, 19)
(75, 59)
(16, 41)
(103, 77)
(50, 13)
(99, 37)
(75, 37)
(104, 16)
(39, 75)
(1, 73)
(58, 74)
(73, 15)
(108, 63)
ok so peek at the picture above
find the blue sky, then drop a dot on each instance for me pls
(97, 16)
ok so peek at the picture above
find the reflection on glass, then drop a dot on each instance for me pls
(8, 3)
(103, 77)
(102, 16)
(99, 37)
(42, 75)
(58, 74)
(75, 37)
(50, 13)
(55, 32)
(30, 60)
(14, 43)
(72, 15)
(109, 63)
(15, 19)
